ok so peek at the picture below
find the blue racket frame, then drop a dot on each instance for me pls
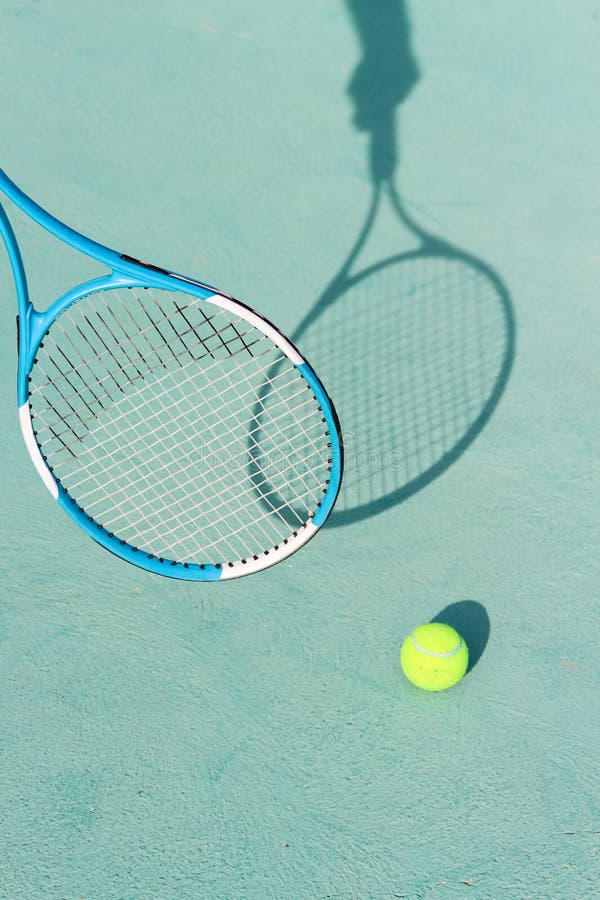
(127, 272)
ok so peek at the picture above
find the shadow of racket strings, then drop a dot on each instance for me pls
(416, 350)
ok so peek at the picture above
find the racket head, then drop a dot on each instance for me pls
(136, 394)
(416, 350)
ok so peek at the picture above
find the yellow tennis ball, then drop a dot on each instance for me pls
(434, 657)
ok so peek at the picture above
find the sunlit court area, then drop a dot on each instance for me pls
(299, 433)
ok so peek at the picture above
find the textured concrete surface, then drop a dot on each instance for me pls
(257, 739)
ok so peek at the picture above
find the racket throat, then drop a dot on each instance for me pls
(31, 328)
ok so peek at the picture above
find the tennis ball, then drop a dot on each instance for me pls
(434, 657)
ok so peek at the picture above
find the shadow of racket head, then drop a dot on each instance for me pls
(416, 351)
(421, 348)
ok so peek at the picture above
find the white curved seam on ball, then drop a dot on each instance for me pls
(431, 653)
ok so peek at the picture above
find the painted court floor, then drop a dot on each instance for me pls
(410, 190)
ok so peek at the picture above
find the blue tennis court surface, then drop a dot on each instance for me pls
(410, 190)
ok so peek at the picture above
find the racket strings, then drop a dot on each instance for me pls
(218, 498)
(113, 515)
(146, 405)
(150, 369)
(141, 349)
(175, 434)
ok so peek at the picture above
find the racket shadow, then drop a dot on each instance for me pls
(416, 350)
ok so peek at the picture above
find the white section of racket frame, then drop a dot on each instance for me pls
(34, 450)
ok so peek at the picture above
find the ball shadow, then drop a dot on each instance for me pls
(471, 621)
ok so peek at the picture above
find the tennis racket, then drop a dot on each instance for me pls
(137, 395)
(416, 348)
